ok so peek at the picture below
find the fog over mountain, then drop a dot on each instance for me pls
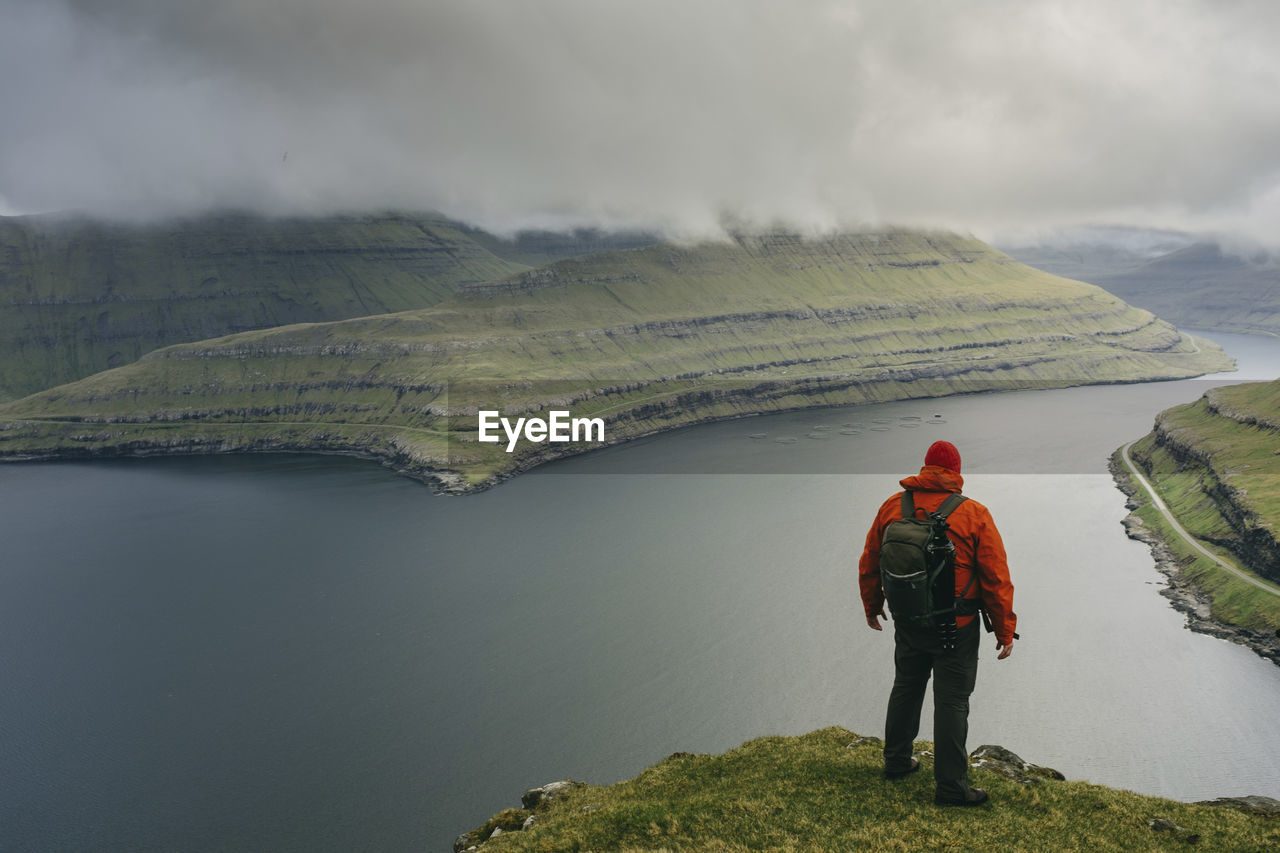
(676, 114)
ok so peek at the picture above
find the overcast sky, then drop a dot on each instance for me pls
(681, 114)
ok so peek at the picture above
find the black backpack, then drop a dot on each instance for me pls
(917, 569)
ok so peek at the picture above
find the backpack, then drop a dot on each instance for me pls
(917, 569)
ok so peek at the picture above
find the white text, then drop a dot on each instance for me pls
(558, 427)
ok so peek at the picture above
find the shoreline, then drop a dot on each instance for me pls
(121, 439)
(1183, 594)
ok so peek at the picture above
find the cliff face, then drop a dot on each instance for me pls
(81, 296)
(1195, 587)
(1215, 464)
(1219, 456)
(646, 339)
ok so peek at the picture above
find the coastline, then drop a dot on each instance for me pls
(1183, 594)
(446, 457)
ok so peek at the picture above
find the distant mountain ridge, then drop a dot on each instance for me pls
(1189, 282)
(1201, 286)
(1083, 253)
(647, 338)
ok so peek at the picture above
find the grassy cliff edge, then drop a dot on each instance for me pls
(1215, 464)
(824, 791)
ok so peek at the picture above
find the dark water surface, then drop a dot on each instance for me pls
(301, 653)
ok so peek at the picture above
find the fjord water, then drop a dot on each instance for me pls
(305, 653)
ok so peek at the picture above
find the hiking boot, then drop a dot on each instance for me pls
(971, 797)
(898, 774)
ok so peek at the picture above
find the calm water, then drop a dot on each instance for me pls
(295, 653)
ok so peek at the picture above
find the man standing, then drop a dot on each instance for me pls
(981, 582)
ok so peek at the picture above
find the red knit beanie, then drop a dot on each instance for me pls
(944, 455)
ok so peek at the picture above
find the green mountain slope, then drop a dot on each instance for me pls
(1216, 466)
(825, 791)
(645, 339)
(1224, 448)
(78, 296)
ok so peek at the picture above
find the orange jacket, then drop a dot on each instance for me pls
(977, 542)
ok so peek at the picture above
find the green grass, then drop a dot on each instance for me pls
(1213, 473)
(651, 338)
(817, 793)
(1231, 439)
(1233, 601)
(81, 296)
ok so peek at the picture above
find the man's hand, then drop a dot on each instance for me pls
(1006, 649)
(873, 621)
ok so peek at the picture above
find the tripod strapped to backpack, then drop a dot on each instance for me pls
(917, 570)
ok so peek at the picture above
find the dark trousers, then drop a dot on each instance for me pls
(917, 654)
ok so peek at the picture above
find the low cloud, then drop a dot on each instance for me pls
(670, 113)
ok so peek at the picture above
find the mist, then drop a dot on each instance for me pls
(676, 116)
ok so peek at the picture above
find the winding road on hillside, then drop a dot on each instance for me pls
(1191, 540)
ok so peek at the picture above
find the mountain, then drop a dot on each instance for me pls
(644, 339)
(80, 296)
(1201, 286)
(1088, 253)
(1186, 282)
